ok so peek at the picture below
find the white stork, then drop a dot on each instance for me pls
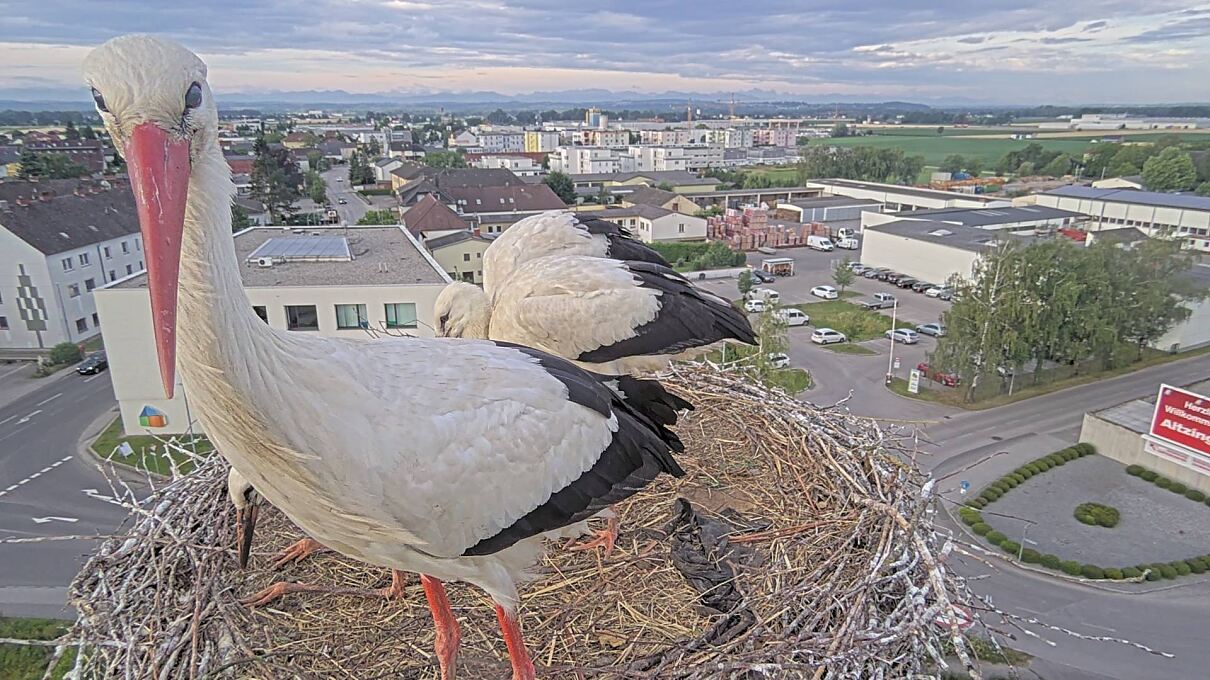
(448, 458)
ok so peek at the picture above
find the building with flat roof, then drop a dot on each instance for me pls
(357, 282)
(827, 209)
(1179, 216)
(931, 250)
(897, 198)
(1012, 218)
(60, 240)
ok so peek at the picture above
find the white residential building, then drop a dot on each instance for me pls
(500, 142)
(388, 289)
(521, 166)
(582, 160)
(384, 166)
(674, 137)
(60, 240)
(650, 223)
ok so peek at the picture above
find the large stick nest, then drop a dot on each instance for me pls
(803, 548)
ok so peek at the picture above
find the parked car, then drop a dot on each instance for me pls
(825, 292)
(779, 360)
(906, 282)
(827, 336)
(793, 317)
(93, 364)
(767, 294)
(762, 276)
(947, 379)
(947, 295)
(934, 329)
(755, 306)
(873, 273)
(921, 286)
(905, 335)
(848, 244)
(1005, 371)
(935, 291)
(879, 301)
(342, 201)
(893, 277)
(858, 268)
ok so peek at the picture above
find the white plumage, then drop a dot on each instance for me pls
(448, 458)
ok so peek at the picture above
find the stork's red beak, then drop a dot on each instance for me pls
(159, 175)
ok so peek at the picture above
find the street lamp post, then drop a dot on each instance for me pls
(891, 359)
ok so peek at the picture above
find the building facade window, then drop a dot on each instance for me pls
(83, 259)
(401, 315)
(138, 244)
(67, 265)
(96, 320)
(106, 251)
(113, 276)
(3, 323)
(125, 247)
(349, 317)
(261, 312)
(129, 269)
(73, 290)
(89, 284)
(680, 227)
(81, 325)
(302, 318)
(466, 257)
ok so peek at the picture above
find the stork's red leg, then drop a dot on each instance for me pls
(296, 551)
(449, 635)
(523, 668)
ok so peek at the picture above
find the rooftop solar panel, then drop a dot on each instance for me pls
(304, 249)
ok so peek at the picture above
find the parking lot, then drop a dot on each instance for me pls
(834, 374)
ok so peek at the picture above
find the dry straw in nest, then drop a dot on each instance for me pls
(806, 535)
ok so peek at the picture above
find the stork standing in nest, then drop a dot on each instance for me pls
(449, 458)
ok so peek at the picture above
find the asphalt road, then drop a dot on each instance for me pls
(1167, 621)
(43, 483)
(354, 206)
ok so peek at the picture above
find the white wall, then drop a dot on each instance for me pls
(923, 260)
(15, 253)
(676, 227)
(1190, 333)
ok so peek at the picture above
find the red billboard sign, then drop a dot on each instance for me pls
(1182, 418)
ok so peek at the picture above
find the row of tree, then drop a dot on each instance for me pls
(1057, 303)
(49, 166)
(865, 163)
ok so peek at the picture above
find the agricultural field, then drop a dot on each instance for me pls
(936, 147)
(776, 173)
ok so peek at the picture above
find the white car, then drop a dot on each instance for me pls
(905, 335)
(793, 317)
(827, 336)
(825, 292)
(779, 360)
(934, 329)
(935, 291)
(767, 294)
(755, 306)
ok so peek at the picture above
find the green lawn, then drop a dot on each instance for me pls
(850, 348)
(21, 662)
(936, 147)
(148, 450)
(856, 323)
(775, 172)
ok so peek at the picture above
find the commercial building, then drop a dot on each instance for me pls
(838, 210)
(1168, 433)
(1178, 216)
(650, 223)
(355, 282)
(679, 182)
(896, 198)
(60, 240)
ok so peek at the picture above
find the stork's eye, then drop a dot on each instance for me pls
(96, 97)
(193, 97)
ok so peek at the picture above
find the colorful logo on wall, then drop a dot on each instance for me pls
(152, 417)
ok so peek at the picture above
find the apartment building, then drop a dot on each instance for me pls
(650, 223)
(59, 241)
(579, 160)
(356, 282)
(541, 141)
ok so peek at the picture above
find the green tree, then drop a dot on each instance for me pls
(70, 131)
(1026, 169)
(840, 130)
(445, 159)
(771, 332)
(1058, 167)
(1122, 169)
(744, 282)
(1171, 170)
(87, 132)
(317, 188)
(953, 163)
(1203, 189)
(561, 184)
(239, 218)
(974, 165)
(373, 149)
(842, 274)
(664, 186)
(275, 179)
(379, 217)
(499, 117)
(940, 129)
(316, 161)
(49, 166)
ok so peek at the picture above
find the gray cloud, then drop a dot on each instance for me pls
(818, 43)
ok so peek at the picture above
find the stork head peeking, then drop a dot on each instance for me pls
(153, 97)
(462, 310)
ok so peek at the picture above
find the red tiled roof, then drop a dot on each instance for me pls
(524, 197)
(430, 214)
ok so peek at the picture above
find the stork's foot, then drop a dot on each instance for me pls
(605, 538)
(297, 551)
(283, 588)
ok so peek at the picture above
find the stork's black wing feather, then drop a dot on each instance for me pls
(688, 317)
(639, 451)
(622, 245)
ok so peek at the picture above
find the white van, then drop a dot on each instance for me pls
(846, 232)
(793, 317)
(820, 243)
(848, 244)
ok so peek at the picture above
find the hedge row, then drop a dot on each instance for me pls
(1165, 483)
(992, 492)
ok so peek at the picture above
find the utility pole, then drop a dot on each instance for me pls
(891, 359)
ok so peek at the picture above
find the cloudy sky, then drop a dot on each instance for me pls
(1071, 51)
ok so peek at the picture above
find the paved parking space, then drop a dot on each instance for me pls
(836, 375)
